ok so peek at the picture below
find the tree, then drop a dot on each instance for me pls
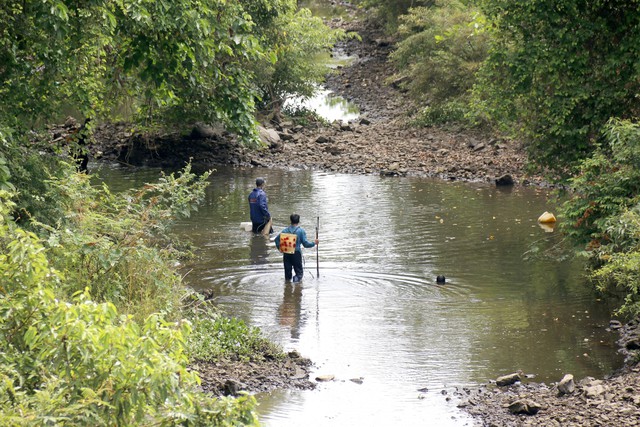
(438, 58)
(603, 212)
(293, 41)
(168, 60)
(557, 71)
(389, 11)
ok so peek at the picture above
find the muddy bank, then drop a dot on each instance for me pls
(229, 377)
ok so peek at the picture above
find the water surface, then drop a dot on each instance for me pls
(513, 299)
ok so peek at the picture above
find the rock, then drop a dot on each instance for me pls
(346, 127)
(203, 131)
(525, 406)
(232, 387)
(567, 385)
(504, 180)
(383, 42)
(322, 139)
(285, 136)
(615, 324)
(325, 378)
(269, 137)
(594, 391)
(508, 379)
(633, 344)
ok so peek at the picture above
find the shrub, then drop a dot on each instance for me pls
(117, 246)
(78, 362)
(218, 337)
(603, 213)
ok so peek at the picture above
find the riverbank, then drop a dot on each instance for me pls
(611, 401)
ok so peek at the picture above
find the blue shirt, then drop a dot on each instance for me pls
(300, 240)
(258, 206)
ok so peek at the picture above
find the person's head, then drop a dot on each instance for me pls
(295, 219)
(259, 182)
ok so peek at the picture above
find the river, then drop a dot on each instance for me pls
(398, 343)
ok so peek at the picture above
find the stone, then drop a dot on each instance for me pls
(508, 379)
(567, 385)
(525, 406)
(504, 180)
(325, 378)
(269, 137)
(594, 391)
(203, 131)
(615, 324)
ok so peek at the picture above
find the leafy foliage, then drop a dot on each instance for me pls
(441, 50)
(117, 246)
(79, 362)
(182, 56)
(557, 71)
(604, 211)
(389, 11)
(218, 337)
(292, 42)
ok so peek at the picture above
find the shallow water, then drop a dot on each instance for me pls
(513, 299)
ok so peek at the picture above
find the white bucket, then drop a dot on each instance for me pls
(247, 226)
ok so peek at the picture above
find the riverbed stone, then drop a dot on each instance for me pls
(524, 406)
(510, 379)
(505, 180)
(567, 385)
(269, 136)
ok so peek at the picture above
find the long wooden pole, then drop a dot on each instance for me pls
(317, 260)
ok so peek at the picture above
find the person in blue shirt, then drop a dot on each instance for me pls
(258, 209)
(293, 260)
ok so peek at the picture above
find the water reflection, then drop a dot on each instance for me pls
(327, 105)
(289, 312)
(259, 249)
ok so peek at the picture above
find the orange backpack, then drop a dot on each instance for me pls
(288, 243)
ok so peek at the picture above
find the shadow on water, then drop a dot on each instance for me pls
(376, 318)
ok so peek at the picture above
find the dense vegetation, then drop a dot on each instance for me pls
(560, 77)
(96, 325)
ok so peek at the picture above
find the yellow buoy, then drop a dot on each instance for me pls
(547, 218)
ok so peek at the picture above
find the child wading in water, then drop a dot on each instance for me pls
(288, 242)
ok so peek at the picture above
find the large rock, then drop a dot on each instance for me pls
(504, 180)
(567, 385)
(270, 138)
(509, 379)
(524, 406)
(203, 131)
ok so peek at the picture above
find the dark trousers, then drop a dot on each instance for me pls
(294, 261)
(257, 227)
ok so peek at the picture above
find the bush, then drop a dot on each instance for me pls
(437, 60)
(117, 246)
(218, 337)
(557, 71)
(441, 114)
(603, 213)
(78, 362)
